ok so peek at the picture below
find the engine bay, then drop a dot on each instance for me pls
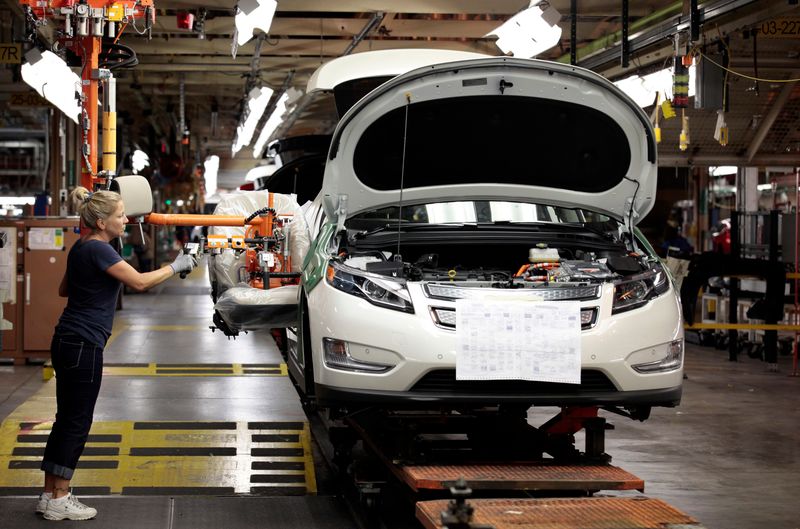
(493, 261)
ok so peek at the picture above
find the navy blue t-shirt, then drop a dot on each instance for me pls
(92, 292)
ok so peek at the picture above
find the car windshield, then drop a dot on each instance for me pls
(478, 211)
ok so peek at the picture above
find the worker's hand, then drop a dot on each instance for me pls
(183, 263)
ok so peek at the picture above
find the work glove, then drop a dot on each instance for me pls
(184, 263)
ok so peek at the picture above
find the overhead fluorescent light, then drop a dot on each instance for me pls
(260, 170)
(252, 14)
(529, 32)
(642, 89)
(46, 73)
(211, 175)
(256, 104)
(722, 170)
(17, 201)
(272, 123)
(139, 160)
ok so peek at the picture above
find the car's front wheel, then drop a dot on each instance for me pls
(301, 363)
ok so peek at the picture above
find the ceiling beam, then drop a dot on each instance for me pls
(766, 160)
(605, 61)
(289, 47)
(775, 108)
(350, 6)
(347, 27)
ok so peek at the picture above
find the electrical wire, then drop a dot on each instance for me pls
(258, 212)
(133, 23)
(118, 56)
(125, 25)
(734, 72)
(84, 115)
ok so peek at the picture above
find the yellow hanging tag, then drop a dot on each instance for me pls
(666, 108)
(723, 136)
(656, 110)
(721, 129)
(684, 138)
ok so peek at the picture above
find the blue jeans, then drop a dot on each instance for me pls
(78, 365)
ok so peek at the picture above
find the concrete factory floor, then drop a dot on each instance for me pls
(728, 456)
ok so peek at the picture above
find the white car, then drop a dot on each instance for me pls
(510, 187)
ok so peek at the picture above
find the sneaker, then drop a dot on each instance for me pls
(42, 505)
(68, 508)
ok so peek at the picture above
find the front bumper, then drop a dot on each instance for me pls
(328, 396)
(417, 348)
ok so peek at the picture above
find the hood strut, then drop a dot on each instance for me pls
(631, 210)
(397, 256)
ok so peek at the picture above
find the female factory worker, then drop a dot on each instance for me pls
(94, 275)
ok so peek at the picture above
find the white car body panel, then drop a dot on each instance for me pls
(417, 345)
(530, 78)
(408, 338)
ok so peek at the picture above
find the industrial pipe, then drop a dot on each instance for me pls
(110, 126)
(188, 219)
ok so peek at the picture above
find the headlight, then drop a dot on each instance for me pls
(378, 290)
(636, 291)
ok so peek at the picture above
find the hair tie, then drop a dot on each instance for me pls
(88, 197)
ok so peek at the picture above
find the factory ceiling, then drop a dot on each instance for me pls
(763, 116)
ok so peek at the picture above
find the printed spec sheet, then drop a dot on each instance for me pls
(518, 340)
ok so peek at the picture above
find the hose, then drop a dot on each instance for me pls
(115, 55)
(262, 211)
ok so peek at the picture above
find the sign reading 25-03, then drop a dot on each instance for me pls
(781, 28)
(10, 53)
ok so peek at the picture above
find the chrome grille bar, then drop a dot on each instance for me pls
(551, 293)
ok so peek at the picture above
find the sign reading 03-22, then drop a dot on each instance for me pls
(781, 28)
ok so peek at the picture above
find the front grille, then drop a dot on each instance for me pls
(443, 381)
(445, 317)
(553, 292)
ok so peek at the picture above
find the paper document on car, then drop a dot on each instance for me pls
(514, 340)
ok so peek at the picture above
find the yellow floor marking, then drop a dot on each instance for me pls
(119, 327)
(308, 457)
(229, 471)
(125, 463)
(151, 370)
(198, 370)
(40, 407)
(135, 469)
(743, 326)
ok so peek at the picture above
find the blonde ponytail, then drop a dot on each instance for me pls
(94, 206)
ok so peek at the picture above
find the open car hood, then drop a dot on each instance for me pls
(496, 129)
(380, 63)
